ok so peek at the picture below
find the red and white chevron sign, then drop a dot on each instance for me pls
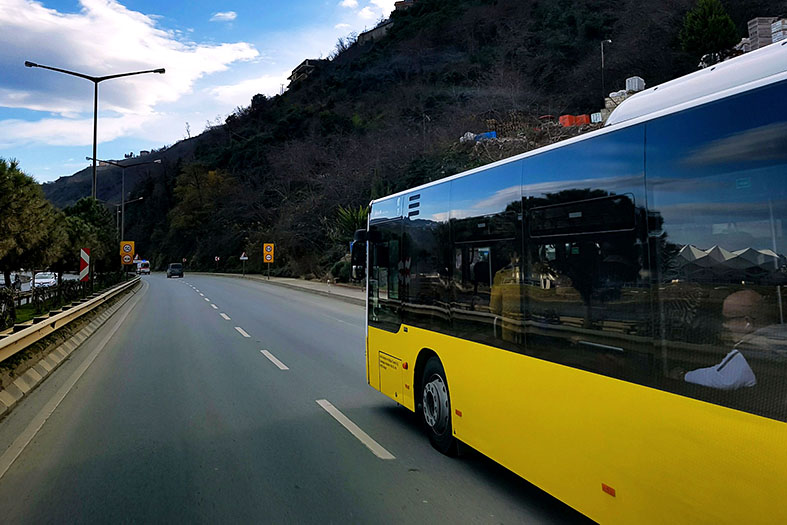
(84, 265)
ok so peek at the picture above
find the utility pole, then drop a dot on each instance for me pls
(603, 87)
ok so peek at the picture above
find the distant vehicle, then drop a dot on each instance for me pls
(174, 270)
(45, 280)
(143, 267)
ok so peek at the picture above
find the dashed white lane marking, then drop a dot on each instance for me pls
(241, 331)
(214, 306)
(202, 295)
(208, 300)
(355, 430)
(225, 316)
(272, 359)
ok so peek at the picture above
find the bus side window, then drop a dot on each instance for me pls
(486, 227)
(587, 293)
(384, 275)
(717, 210)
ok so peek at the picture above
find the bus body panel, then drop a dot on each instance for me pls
(667, 457)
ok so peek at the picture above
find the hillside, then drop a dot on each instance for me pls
(387, 115)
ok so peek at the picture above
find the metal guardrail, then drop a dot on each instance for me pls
(18, 341)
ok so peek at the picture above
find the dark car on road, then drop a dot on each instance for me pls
(175, 270)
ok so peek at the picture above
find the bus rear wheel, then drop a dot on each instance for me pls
(436, 407)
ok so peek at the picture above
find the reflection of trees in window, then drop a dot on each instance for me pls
(587, 236)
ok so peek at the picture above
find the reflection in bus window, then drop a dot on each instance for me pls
(384, 275)
(425, 259)
(587, 294)
(716, 180)
(486, 227)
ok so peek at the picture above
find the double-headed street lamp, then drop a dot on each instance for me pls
(123, 201)
(95, 81)
(117, 212)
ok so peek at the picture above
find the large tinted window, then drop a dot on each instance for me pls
(717, 190)
(486, 256)
(586, 286)
(425, 258)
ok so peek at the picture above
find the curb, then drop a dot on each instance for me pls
(27, 382)
(345, 298)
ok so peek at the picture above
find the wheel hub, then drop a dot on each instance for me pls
(435, 403)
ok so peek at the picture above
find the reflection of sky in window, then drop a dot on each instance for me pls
(387, 209)
(487, 192)
(433, 203)
(716, 183)
(611, 162)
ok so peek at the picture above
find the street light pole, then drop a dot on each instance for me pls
(95, 81)
(603, 87)
(123, 188)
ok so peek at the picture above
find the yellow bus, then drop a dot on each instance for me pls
(605, 316)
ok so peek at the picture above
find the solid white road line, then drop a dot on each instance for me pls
(272, 359)
(225, 316)
(355, 430)
(214, 306)
(241, 331)
(27, 435)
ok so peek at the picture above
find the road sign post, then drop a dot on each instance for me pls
(268, 252)
(244, 258)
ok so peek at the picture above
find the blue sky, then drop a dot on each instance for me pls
(217, 56)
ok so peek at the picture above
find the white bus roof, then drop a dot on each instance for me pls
(751, 70)
(756, 65)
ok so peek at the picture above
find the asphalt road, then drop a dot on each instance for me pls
(182, 418)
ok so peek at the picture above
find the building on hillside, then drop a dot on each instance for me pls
(144, 152)
(375, 34)
(760, 33)
(779, 30)
(403, 4)
(304, 69)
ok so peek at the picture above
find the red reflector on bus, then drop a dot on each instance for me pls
(407, 387)
(609, 490)
(458, 413)
(404, 365)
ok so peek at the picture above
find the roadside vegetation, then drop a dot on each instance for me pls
(298, 169)
(35, 236)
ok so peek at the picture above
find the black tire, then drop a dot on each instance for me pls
(435, 407)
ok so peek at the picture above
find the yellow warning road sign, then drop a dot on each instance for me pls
(268, 252)
(127, 248)
(127, 252)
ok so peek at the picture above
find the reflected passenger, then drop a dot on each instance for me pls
(745, 325)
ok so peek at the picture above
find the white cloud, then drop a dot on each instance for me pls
(239, 94)
(120, 40)
(68, 132)
(342, 26)
(367, 13)
(226, 16)
(386, 6)
(352, 4)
